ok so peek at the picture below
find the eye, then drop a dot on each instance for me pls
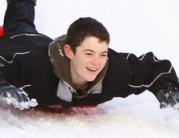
(88, 54)
(103, 55)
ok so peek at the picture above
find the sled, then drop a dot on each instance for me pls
(82, 106)
(1, 31)
(59, 109)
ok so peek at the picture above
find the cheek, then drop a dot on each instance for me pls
(103, 62)
(80, 62)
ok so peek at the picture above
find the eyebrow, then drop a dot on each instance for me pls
(89, 50)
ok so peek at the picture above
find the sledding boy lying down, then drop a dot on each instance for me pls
(75, 69)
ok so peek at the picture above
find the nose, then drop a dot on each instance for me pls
(95, 60)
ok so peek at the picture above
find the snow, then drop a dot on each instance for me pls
(135, 26)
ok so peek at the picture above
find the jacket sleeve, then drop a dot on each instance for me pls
(150, 73)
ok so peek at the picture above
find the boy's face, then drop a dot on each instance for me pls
(88, 61)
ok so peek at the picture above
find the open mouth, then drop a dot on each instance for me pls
(92, 69)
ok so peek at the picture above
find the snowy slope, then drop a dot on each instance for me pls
(135, 26)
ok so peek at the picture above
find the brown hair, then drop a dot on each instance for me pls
(84, 27)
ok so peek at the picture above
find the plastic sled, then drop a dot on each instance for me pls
(1, 31)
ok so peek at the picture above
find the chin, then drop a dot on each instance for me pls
(91, 79)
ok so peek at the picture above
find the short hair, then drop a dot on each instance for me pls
(85, 27)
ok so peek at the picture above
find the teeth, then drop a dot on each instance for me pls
(92, 69)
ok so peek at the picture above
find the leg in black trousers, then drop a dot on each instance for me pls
(19, 17)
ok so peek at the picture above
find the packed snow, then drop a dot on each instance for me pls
(136, 27)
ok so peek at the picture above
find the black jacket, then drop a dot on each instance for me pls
(25, 63)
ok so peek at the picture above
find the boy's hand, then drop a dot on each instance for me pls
(169, 99)
(17, 97)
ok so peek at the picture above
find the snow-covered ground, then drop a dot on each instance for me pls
(136, 26)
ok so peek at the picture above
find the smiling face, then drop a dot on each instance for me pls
(88, 61)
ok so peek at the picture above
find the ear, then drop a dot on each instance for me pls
(68, 51)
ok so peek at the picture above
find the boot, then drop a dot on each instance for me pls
(9, 1)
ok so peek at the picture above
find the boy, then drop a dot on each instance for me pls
(75, 69)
